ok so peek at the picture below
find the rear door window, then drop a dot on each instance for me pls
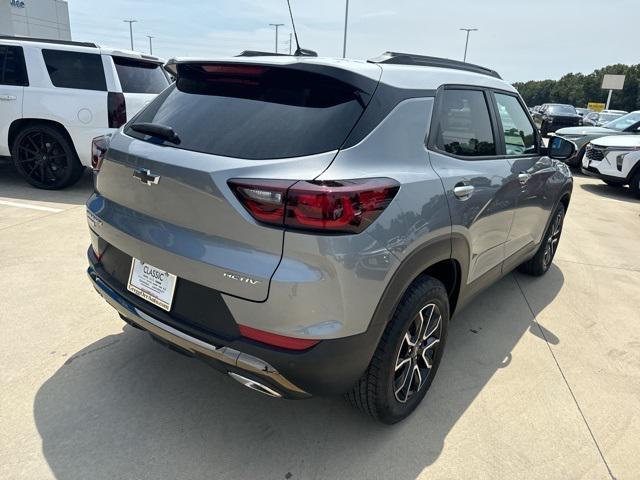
(463, 126)
(12, 67)
(139, 76)
(256, 112)
(519, 135)
(75, 69)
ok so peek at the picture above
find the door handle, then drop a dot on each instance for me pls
(463, 191)
(523, 177)
(8, 98)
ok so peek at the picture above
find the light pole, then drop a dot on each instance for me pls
(150, 44)
(277, 25)
(466, 45)
(290, 40)
(130, 22)
(346, 18)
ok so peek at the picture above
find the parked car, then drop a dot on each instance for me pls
(615, 160)
(553, 116)
(597, 119)
(626, 125)
(583, 111)
(309, 225)
(56, 96)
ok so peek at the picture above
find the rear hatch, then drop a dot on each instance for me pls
(140, 80)
(234, 121)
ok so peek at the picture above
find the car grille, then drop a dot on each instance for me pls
(565, 121)
(595, 153)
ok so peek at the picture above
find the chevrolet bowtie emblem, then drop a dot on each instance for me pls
(145, 176)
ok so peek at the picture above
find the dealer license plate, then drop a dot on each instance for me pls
(151, 283)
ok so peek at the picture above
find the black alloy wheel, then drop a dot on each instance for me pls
(45, 158)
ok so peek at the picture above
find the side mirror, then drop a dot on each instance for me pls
(561, 149)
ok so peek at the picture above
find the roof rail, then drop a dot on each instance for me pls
(47, 40)
(425, 61)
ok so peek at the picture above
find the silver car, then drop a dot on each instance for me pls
(310, 225)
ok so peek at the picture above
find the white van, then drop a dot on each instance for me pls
(56, 96)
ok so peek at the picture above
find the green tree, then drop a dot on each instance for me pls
(579, 89)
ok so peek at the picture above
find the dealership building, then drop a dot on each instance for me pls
(35, 18)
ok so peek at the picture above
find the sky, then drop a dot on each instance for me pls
(521, 39)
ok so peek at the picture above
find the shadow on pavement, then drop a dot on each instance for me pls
(12, 186)
(125, 407)
(604, 190)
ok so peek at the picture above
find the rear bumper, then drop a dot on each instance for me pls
(329, 368)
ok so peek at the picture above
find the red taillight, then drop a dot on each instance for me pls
(116, 109)
(345, 206)
(277, 340)
(99, 147)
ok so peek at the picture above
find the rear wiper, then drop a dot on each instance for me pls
(157, 130)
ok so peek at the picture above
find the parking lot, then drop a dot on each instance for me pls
(541, 377)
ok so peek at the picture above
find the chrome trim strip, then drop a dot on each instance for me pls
(226, 355)
(253, 385)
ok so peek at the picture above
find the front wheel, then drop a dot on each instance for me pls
(46, 158)
(407, 356)
(541, 261)
(634, 184)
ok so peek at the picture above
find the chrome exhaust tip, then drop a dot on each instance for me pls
(253, 385)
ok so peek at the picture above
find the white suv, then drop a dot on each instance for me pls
(56, 96)
(615, 160)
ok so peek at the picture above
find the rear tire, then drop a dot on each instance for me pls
(541, 261)
(408, 355)
(45, 157)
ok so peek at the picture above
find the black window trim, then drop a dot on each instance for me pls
(431, 141)
(502, 145)
(22, 63)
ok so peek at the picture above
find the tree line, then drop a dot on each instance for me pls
(579, 89)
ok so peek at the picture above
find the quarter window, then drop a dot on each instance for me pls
(464, 127)
(75, 69)
(519, 135)
(12, 68)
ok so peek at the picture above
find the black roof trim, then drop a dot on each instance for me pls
(47, 40)
(397, 58)
(257, 53)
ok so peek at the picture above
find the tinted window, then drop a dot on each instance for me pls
(75, 69)
(562, 110)
(140, 77)
(519, 135)
(464, 126)
(255, 112)
(12, 68)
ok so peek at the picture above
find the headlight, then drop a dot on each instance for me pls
(620, 157)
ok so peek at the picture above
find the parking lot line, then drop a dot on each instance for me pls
(29, 206)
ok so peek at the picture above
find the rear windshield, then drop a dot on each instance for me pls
(140, 77)
(562, 110)
(255, 112)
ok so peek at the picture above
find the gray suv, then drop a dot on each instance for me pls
(309, 225)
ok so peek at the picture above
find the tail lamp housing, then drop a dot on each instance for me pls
(99, 147)
(336, 206)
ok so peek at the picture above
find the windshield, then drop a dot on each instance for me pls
(608, 117)
(624, 122)
(561, 110)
